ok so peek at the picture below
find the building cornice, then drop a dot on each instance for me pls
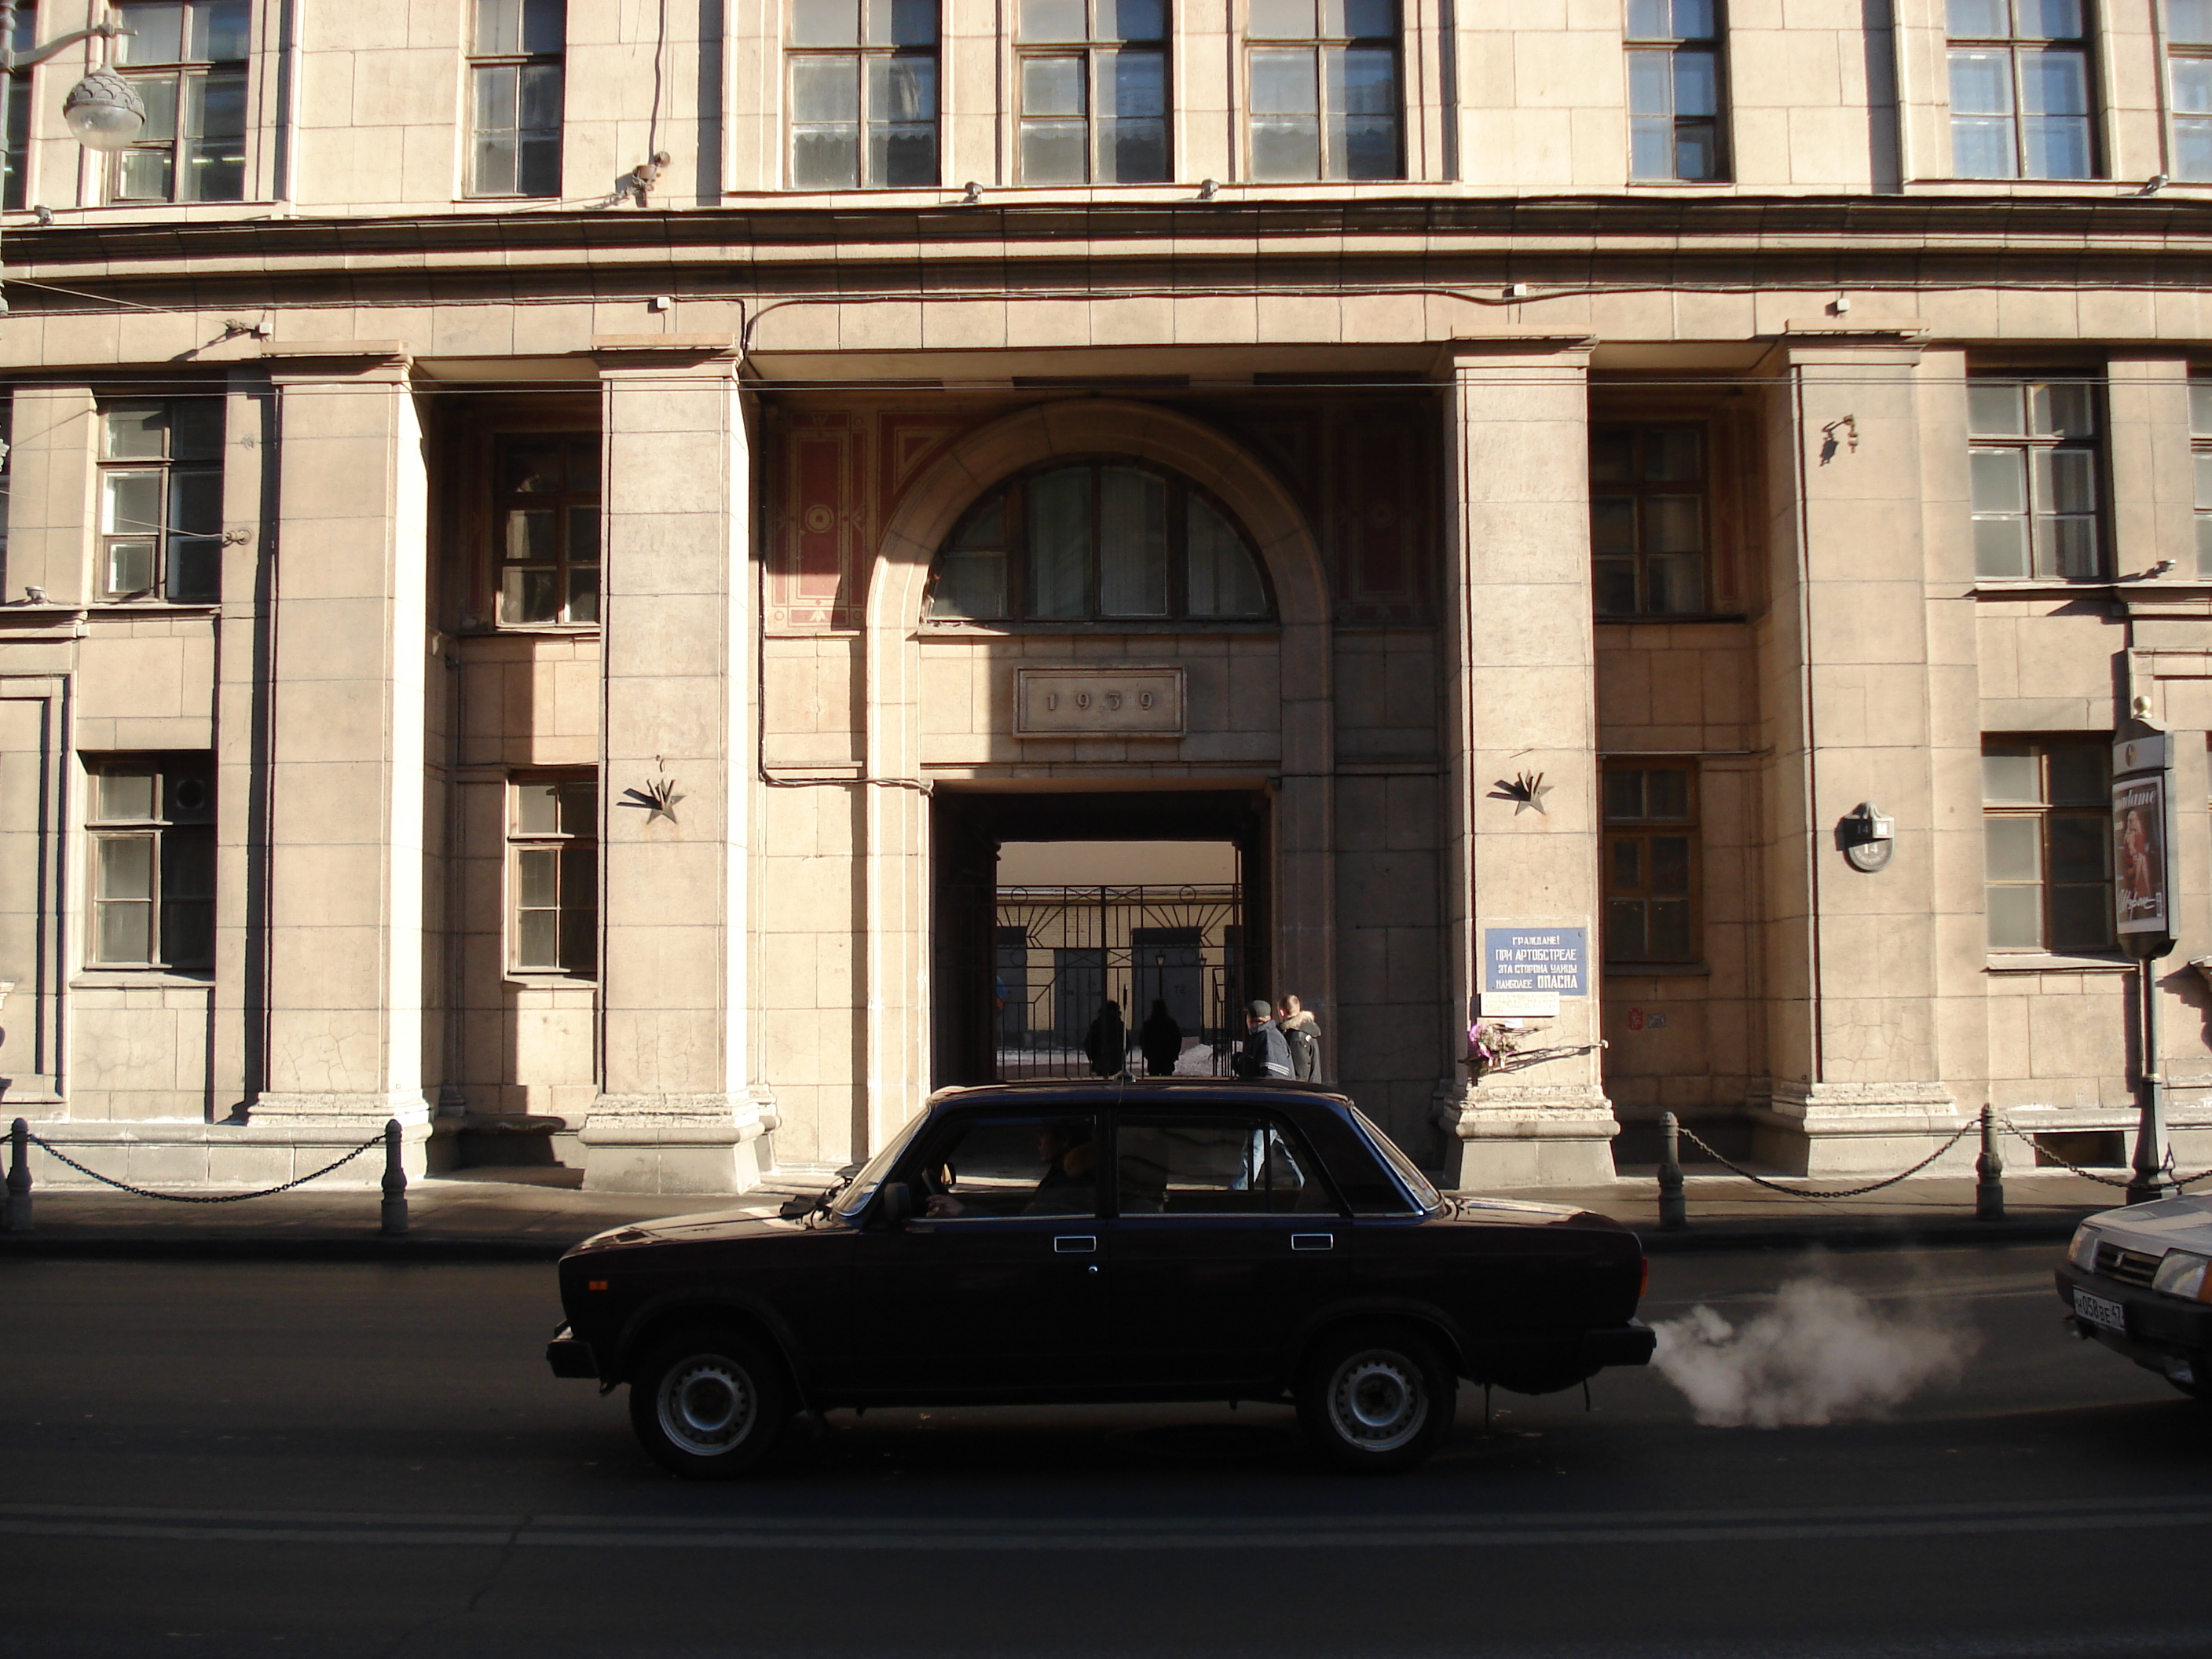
(1497, 233)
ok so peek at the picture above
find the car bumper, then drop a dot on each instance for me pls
(2161, 1331)
(569, 1357)
(1628, 1345)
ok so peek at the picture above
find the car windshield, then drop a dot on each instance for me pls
(863, 1185)
(1423, 1191)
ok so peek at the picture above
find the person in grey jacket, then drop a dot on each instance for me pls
(1266, 1057)
(1303, 1032)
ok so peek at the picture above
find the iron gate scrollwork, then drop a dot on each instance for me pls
(1060, 953)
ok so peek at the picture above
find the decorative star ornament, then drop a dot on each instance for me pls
(660, 795)
(1527, 789)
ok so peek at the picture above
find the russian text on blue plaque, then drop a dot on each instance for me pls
(1536, 959)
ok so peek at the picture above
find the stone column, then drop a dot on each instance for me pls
(1866, 656)
(675, 1112)
(344, 749)
(1521, 702)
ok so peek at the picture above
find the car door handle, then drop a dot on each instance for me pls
(1313, 1241)
(1075, 1244)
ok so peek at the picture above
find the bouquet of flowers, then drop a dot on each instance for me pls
(1489, 1045)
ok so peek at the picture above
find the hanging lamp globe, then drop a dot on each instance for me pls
(103, 113)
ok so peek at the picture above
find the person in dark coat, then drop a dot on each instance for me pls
(1161, 1039)
(1107, 1042)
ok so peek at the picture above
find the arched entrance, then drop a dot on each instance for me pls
(945, 714)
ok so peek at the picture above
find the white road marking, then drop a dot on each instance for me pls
(1180, 1532)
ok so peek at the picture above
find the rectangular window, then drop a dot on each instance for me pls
(515, 75)
(1094, 88)
(2200, 434)
(1651, 865)
(1323, 85)
(1241, 1164)
(151, 827)
(553, 847)
(2189, 74)
(1674, 90)
(545, 521)
(186, 61)
(14, 191)
(7, 478)
(1649, 535)
(979, 1168)
(2047, 842)
(863, 80)
(2020, 89)
(2036, 488)
(160, 500)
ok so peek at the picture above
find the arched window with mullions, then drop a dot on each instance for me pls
(1095, 541)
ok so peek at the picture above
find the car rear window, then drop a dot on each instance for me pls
(1423, 1189)
(1236, 1164)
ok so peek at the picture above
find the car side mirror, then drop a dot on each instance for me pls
(896, 1204)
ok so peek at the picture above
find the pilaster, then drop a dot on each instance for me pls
(343, 745)
(677, 1111)
(1523, 701)
(1867, 657)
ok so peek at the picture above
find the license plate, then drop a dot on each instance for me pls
(2098, 1311)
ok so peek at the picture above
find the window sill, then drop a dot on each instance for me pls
(548, 979)
(962, 630)
(2016, 587)
(1642, 618)
(529, 630)
(2046, 962)
(1657, 969)
(138, 978)
(164, 607)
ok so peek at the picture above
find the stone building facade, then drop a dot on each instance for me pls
(547, 546)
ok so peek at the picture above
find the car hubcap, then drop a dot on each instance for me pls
(1376, 1401)
(706, 1405)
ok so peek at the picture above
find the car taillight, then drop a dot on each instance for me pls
(1643, 1276)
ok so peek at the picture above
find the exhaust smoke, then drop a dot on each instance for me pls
(1821, 1354)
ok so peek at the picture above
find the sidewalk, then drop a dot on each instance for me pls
(518, 1215)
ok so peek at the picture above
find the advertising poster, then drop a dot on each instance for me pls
(2139, 872)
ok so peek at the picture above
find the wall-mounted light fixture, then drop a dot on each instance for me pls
(1866, 837)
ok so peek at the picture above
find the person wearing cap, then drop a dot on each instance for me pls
(1267, 1056)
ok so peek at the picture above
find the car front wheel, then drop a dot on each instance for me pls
(709, 1405)
(1375, 1399)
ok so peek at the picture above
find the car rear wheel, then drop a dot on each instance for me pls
(709, 1405)
(1375, 1399)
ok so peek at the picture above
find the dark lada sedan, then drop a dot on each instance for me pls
(1138, 1242)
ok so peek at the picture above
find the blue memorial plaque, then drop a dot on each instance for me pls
(1536, 959)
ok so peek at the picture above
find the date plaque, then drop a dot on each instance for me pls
(1098, 703)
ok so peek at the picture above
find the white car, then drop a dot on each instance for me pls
(2139, 1280)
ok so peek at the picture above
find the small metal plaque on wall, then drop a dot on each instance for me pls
(1098, 703)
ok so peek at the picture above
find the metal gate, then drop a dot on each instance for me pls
(1060, 954)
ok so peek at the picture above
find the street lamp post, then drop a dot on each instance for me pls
(102, 112)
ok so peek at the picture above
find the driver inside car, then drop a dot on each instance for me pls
(1066, 1187)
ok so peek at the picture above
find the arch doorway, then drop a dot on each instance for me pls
(1019, 969)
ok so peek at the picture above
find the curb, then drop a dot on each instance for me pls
(1713, 1238)
(428, 1252)
(1716, 1237)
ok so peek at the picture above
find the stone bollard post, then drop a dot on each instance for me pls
(18, 1178)
(395, 1182)
(1674, 1210)
(1988, 1172)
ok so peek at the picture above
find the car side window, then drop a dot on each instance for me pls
(1034, 1164)
(1232, 1165)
